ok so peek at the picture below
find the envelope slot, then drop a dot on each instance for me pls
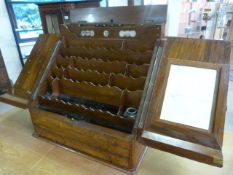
(126, 82)
(133, 98)
(133, 44)
(103, 94)
(118, 80)
(84, 113)
(126, 55)
(88, 76)
(63, 61)
(138, 71)
(100, 65)
(58, 72)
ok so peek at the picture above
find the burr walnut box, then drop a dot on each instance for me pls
(109, 91)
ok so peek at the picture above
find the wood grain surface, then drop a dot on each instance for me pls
(196, 53)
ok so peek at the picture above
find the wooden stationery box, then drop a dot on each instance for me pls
(109, 91)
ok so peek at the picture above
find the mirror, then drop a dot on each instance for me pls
(189, 96)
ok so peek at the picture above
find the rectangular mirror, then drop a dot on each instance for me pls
(189, 96)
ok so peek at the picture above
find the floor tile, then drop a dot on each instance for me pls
(73, 163)
(16, 160)
(5, 108)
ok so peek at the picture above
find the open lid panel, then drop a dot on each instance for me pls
(184, 108)
(33, 72)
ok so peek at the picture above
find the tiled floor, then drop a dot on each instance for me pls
(4, 108)
(22, 154)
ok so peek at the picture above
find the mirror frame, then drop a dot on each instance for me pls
(194, 143)
(178, 130)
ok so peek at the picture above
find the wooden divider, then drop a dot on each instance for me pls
(138, 71)
(64, 61)
(119, 80)
(90, 76)
(133, 98)
(103, 94)
(126, 55)
(102, 66)
(126, 82)
(94, 115)
(58, 72)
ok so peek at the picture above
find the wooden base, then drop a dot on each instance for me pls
(110, 146)
(93, 158)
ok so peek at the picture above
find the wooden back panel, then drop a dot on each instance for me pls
(156, 14)
(143, 40)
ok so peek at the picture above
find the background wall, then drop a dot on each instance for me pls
(173, 16)
(8, 45)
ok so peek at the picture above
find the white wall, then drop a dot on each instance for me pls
(26, 48)
(211, 24)
(173, 17)
(8, 45)
(114, 3)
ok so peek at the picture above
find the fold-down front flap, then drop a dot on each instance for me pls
(186, 107)
(33, 72)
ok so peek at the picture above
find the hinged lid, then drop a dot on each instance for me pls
(34, 70)
(185, 103)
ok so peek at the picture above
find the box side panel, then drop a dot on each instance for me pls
(138, 151)
(110, 146)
